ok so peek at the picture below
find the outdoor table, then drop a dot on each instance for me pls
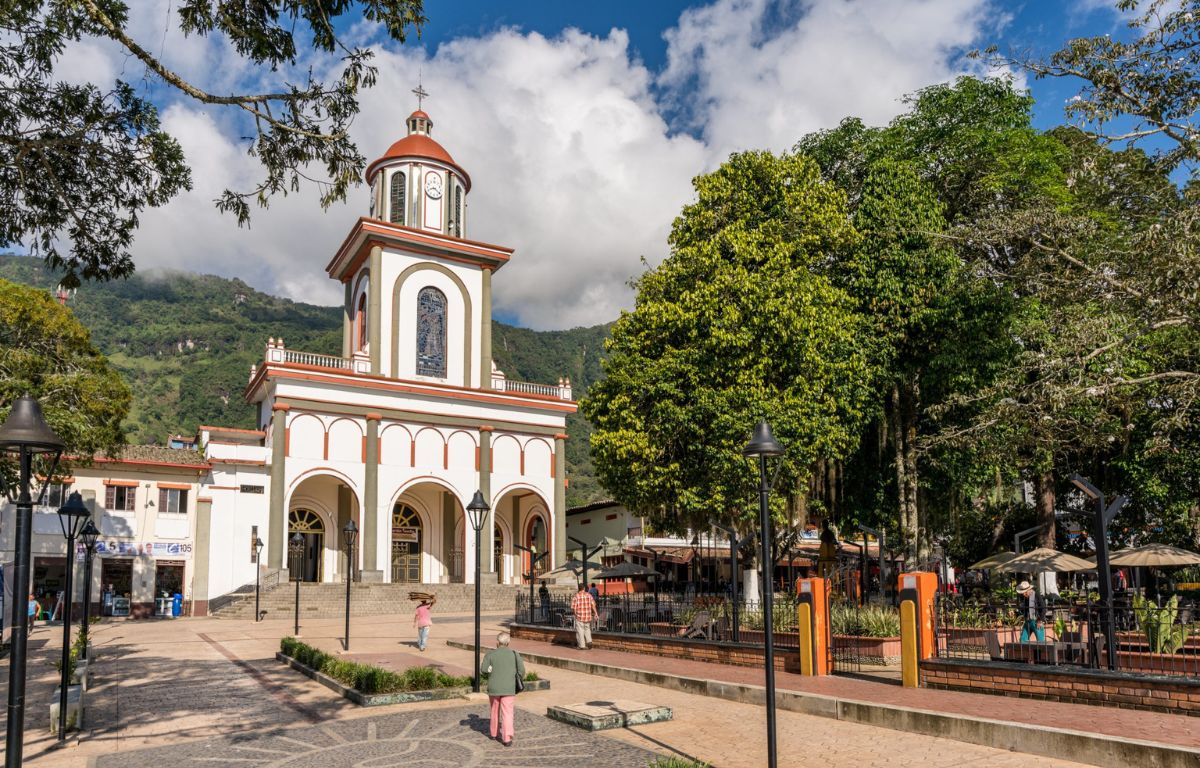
(1049, 652)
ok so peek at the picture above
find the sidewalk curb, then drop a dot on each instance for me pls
(1091, 748)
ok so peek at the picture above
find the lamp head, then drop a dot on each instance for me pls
(258, 548)
(350, 533)
(1085, 485)
(296, 542)
(72, 515)
(26, 428)
(89, 535)
(762, 443)
(477, 511)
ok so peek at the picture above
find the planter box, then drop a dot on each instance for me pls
(75, 709)
(758, 637)
(875, 651)
(976, 638)
(663, 629)
(83, 674)
(1159, 663)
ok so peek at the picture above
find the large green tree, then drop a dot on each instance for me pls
(46, 353)
(81, 161)
(736, 325)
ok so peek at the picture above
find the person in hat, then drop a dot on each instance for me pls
(1032, 608)
(423, 620)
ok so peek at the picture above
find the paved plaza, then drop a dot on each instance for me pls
(194, 692)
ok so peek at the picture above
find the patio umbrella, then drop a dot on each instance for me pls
(1043, 559)
(991, 561)
(626, 570)
(1154, 556)
(572, 567)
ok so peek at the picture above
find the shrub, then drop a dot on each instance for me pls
(365, 678)
(871, 621)
(677, 762)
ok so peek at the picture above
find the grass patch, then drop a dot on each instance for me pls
(366, 678)
(677, 762)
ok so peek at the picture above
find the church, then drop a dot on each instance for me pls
(399, 431)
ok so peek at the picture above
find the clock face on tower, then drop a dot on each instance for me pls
(433, 185)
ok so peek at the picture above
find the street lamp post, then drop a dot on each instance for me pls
(477, 512)
(88, 536)
(23, 436)
(258, 548)
(296, 548)
(71, 516)
(349, 535)
(762, 446)
(1104, 516)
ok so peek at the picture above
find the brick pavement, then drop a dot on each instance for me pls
(1124, 723)
(183, 684)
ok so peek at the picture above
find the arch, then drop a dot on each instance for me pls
(395, 445)
(538, 461)
(344, 438)
(467, 326)
(397, 198)
(407, 543)
(538, 538)
(432, 332)
(315, 471)
(499, 539)
(429, 451)
(305, 439)
(412, 482)
(461, 451)
(506, 455)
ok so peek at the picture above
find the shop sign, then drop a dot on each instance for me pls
(171, 549)
(405, 534)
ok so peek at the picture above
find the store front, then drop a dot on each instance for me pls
(116, 580)
(49, 580)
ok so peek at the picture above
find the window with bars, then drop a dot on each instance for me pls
(431, 333)
(399, 187)
(172, 501)
(57, 494)
(120, 498)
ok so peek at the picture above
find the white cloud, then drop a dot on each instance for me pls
(572, 158)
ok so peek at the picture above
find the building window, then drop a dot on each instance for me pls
(431, 333)
(396, 212)
(360, 320)
(57, 494)
(120, 498)
(456, 212)
(172, 500)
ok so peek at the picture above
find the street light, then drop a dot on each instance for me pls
(88, 535)
(296, 547)
(349, 536)
(477, 512)
(25, 434)
(258, 548)
(71, 516)
(763, 446)
(1104, 516)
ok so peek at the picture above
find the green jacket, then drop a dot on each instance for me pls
(502, 665)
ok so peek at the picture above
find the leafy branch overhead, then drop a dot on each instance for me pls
(82, 161)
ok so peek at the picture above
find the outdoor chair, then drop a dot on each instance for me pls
(700, 627)
(993, 646)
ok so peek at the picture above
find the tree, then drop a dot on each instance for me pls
(736, 325)
(45, 352)
(81, 161)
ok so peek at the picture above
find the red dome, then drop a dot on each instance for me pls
(419, 146)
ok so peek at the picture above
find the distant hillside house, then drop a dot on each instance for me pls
(399, 431)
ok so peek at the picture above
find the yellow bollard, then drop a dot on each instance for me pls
(804, 626)
(908, 644)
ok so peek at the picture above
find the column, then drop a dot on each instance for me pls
(487, 575)
(277, 522)
(374, 308)
(518, 555)
(560, 500)
(370, 506)
(348, 322)
(345, 511)
(485, 332)
(200, 555)
(448, 510)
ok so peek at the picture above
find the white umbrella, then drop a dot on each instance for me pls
(1043, 559)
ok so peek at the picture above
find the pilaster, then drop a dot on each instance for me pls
(277, 523)
(370, 510)
(485, 332)
(487, 574)
(200, 556)
(375, 308)
(348, 321)
(560, 500)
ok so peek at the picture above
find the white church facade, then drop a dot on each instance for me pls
(399, 431)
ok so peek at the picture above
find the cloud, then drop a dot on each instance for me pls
(580, 156)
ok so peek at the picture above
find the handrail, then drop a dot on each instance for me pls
(312, 358)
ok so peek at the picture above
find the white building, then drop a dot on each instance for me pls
(400, 430)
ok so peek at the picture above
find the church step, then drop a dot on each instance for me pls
(329, 600)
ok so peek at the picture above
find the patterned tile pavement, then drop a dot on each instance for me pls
(455, 738)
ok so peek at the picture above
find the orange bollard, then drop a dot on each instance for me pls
(813, 625)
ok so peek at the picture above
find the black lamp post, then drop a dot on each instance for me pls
(88, 536)
(477, 512)
(349, 536)
(1104, 516)
(71, 516)
(258, 548)
(762, 446)
(296, 548)
(23, 435)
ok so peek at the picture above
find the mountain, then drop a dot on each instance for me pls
(185, 343)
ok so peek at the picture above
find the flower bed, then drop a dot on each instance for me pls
(875, 651)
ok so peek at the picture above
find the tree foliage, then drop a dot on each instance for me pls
(83, 160)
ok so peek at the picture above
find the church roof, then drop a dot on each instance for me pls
(421, 146)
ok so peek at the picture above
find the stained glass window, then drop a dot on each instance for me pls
(431, 333)
(396, 212)
(458, 211)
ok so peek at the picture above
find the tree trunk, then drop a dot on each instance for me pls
(1045, 509)
(904, 438)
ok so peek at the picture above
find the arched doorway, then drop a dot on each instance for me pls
(536, 540)
(309, 525)
(406, 545)
(498, 554)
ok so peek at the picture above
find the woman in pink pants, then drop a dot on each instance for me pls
(502, 666)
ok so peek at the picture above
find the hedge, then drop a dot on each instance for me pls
(368, 679)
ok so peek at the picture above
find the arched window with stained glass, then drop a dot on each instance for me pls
(397, 198)
(431, 333)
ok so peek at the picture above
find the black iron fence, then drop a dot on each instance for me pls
(1148, 637)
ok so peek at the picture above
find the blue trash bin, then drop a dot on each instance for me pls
(176, 604)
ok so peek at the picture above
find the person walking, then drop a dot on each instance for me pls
(35, 609)
(504, 667)
(1031, 606)
(583, 606)
(544, 598)
(423, 620)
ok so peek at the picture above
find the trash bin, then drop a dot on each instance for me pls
(176, 604)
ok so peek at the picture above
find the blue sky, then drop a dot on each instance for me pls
(581, 124)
